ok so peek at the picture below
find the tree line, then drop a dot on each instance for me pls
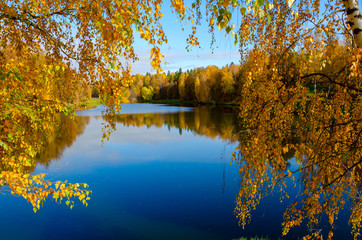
(219, 86)
(202, 85)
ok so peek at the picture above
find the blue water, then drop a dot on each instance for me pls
(148, 182)
(134, 108)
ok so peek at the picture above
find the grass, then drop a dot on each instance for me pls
(92, 103)
(253, 238)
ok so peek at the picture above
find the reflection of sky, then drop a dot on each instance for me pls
(148, 183)
(134, 145)
(132, 108)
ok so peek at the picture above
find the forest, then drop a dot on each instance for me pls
(211, 85)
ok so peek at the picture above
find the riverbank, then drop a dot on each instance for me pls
(91, 103)
(182, 102)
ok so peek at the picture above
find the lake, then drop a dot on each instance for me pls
(166, 173)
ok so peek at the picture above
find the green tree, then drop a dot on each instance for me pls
(227, 84)
(147, 93)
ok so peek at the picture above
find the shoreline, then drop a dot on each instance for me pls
(93, 102)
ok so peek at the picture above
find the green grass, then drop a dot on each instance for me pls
(253, 238)
(92, 103)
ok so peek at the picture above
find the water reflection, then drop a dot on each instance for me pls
(162, 175)
(67, 132)
(206, 121)
(326, 171)
(167, 175)
(211, 122)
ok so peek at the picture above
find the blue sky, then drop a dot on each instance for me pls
(175, 52)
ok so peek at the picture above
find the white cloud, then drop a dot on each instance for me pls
(176, 59)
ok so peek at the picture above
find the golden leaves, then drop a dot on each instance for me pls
(41, 40)
(179, 6)
(34, 88)
(287, 115)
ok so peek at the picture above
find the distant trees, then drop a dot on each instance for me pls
(225, 85)
(95, 89)
(202, 85)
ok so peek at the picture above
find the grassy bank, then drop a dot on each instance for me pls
(91, 103)
(253, 238)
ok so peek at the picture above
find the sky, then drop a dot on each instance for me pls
(176, 55)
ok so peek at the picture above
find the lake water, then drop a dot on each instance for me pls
(166, 173)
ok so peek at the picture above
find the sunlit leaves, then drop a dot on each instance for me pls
(296, 102)
(35, 89)
(51, 50)
(305, 111)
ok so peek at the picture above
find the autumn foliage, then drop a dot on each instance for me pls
(300, 89)
(304, 98)
(200, 85)
(50, 54)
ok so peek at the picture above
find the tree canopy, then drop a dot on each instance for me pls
(302, 93)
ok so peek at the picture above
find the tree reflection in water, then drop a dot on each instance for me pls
(328, 154)
(327, 151)
(20, 159)
(68, 130)
(206, 121)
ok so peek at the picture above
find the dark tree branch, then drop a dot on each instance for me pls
(46, 34)
(332, 81)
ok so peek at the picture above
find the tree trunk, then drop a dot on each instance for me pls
(354, 20)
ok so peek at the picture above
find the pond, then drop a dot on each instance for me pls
(166, 173)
